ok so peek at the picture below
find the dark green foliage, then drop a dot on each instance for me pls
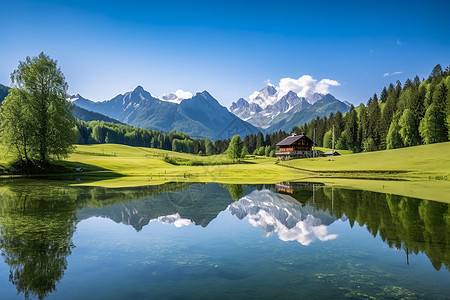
(3, 92)
(96, 132)
(393, 121)
(433, 126)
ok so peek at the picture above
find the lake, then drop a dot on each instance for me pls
(209, 240)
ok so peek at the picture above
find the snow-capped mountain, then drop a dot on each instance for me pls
(270, 106)
(200, 116)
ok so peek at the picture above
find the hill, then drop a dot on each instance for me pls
(87, 115)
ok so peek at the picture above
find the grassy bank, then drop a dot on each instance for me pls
(421, 171)
(414, 163)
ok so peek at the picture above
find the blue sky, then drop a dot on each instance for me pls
(231, 48)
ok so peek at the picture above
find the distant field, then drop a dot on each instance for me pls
(147, 166)
(421, 162)
(422, 171)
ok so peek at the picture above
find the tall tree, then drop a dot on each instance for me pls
(208, 147)
(43, 88)
(433, 126)
(409, 128)
(393, 139)
(234, 150)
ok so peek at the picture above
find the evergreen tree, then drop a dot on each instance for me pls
(259, 140)
(433, 126)
(374, 118)
(436, 72)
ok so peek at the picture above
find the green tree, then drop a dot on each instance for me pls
(394, 139)
(409, 130)
(15, 126)
(234, 150)
(244, 152)
(327, 139)
(43, 89)
(208, 147)
(432, 127)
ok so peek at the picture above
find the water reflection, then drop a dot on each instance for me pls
(285, 216)
(36, 238)
(37, 220)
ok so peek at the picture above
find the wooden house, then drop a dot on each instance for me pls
(296, 146)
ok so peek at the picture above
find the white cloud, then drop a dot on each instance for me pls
(305, 86)
(392, 74)
(183, 94)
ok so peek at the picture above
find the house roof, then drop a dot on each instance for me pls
(292, 139)
(330, 153)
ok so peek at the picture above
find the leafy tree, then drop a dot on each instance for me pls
(409, 130)
(328, 139)
(234, 150)
(15, 125)
(267, 151)
(432, 127)
(40, 84)
(208, 147)
(394, 139)
(244, 152)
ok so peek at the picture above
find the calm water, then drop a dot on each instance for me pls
(196, 241)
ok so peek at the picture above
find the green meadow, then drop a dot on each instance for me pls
(421, 171)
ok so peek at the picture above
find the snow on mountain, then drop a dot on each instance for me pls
(272, 104)
(265, 97)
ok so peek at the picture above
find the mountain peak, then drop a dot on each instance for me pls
(138, 89)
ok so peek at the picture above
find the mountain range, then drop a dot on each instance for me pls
(271, 110)
(201, 115)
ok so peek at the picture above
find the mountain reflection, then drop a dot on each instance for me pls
(271, 212)
(38, 220)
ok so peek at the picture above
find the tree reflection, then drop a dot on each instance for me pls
(410, 224)
(36, 231)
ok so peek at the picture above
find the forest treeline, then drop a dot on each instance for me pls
(99, 132)
(415, 113)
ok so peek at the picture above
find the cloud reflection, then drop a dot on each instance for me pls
(290, 221)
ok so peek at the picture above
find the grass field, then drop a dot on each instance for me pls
(421, 171)
(420, 162)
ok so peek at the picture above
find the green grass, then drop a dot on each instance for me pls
(144, 166)
(420, 162)
(422, 171)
